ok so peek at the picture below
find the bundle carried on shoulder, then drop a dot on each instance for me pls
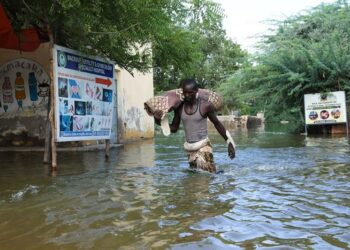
(204, 94)
(172, 99)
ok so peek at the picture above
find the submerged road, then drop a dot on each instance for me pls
(283, 191)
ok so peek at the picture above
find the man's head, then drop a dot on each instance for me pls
(189, 89)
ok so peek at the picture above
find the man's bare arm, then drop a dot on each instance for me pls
(222, 131)
(218, 125)
(175, 124)
(157, 116)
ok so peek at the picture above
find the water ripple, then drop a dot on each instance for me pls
(19, 195)
(281, 192)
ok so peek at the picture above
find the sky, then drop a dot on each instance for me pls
(246, 19)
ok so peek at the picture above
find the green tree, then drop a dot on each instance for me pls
(306, 54)
(174, 37)
(115, 29)
(212, 57)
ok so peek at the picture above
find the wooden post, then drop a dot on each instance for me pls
(52, 107)
(53, 144)
(47, 147)
(108, 145)
(47, 155)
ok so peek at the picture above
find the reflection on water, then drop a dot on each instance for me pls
(283, 191)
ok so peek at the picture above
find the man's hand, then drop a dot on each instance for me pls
(231, 151)
(158, 114)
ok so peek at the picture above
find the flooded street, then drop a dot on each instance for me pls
(283, 191)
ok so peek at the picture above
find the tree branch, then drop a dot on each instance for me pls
(114, 32)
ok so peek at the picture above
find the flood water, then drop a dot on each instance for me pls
(283, 191)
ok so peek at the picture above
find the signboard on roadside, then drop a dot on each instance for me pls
(325, 108)
(84, 96)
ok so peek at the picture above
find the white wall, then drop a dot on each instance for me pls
(28, 122)
(132, 92)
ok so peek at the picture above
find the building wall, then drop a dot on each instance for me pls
(41, 55)
(27, 127)
(23, 126)
(132, 91)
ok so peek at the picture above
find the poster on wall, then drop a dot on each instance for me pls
(84, 88)
(24, 88)
(327, 108)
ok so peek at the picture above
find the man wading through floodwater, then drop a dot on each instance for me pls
(193, 113)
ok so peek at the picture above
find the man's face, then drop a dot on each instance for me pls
(189, 93)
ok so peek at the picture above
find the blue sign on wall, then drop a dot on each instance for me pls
(79, 63)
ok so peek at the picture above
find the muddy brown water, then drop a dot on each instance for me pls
(283, 191)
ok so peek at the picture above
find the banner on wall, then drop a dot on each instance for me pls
(327, 108)
(24, 88)
(84, 89)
